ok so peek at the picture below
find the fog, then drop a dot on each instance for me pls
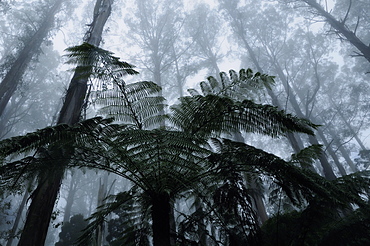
(197, 122)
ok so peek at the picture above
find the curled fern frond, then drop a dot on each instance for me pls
(242, 85)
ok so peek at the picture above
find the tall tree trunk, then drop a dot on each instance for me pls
(44, 197)
(179, 79)
(102, 194)
(14, 75)
(157, 76)
(323, 138)
(341, 28)
(39, 213)
(161, 209)
(343, 151)
(331, 152)
(11, 115)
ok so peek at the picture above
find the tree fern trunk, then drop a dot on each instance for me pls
(160, 211)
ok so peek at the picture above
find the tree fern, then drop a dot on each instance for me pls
(170, 162)
(165, 163)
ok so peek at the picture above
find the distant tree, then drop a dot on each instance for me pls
(156, 27)
(348, 26)
(205, 27)
(72, 230)
(245, 33)
(16, 67)
(13, 77)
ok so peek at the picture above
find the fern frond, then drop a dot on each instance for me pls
(160, 159)
(95, 61)
(307, 156)
(300, 184)
(124, 201)
(136, 104)
(33, 140)
(215, 114)
(57, 137)
(240, 86)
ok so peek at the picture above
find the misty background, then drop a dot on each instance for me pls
(317, 51)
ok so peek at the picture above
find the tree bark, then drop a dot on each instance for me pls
(44, 197)
(161, 209)
(14, 75)
(342, 29)
(39, 213)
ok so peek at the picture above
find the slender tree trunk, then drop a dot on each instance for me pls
(161, 209)
(14, 75)
(102, 194)
(11, 115)
(294, 139)
(349, 126)
(157, 76)
(327, 169)
(257, 195)
(327, 172)
(202, 230)
(179, 79)
(341, 28)
(331, 152)
(344, 152)
(258, 202)
(71, 194)
(17, 218)
(44, 197)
